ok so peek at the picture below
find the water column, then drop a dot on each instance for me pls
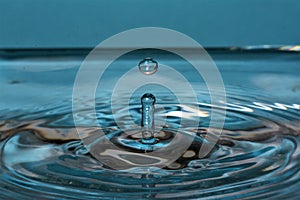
(148, 66)
(148, 127)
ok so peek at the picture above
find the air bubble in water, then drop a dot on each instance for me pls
(148, 66)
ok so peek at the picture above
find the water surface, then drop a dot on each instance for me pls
(256, 157)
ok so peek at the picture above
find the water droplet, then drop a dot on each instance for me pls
(148, 66)
(189, 154)
(148, 101)
(174, 165)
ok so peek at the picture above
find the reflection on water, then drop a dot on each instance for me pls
(257, 155)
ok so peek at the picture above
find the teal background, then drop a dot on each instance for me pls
(85, 23)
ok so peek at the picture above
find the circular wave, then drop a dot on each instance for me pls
(257, 155)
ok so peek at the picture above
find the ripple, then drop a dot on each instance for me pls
(257, 155)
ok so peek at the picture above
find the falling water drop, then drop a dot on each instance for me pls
(148, 66)
(148, 101)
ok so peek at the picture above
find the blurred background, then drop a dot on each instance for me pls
(85, 23)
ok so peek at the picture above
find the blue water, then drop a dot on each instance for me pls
(256, 157)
